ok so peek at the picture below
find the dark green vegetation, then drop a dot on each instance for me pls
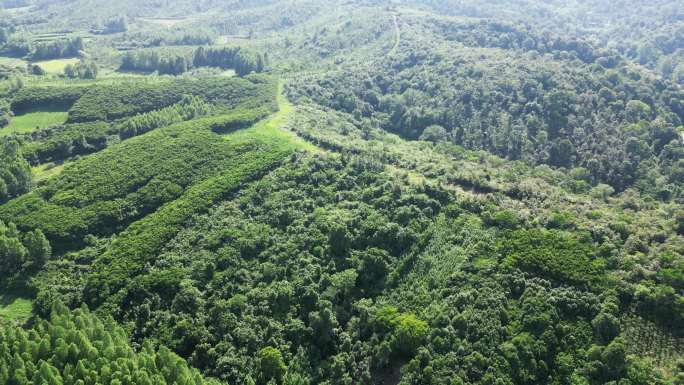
(493, 87)
(15, 174)
(317, 192)
(241, 60)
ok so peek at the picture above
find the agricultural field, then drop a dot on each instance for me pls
(418, 192)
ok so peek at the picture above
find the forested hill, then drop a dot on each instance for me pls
(370, 192)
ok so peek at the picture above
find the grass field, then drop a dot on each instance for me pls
(275, 126)
(30, 121)
(46, 171)
(14, 308)
(56, 66)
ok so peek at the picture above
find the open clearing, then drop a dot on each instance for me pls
(46, 171)
(56, 66)
(14, 308)
(33, 120)
(165, 21)
(275, 126)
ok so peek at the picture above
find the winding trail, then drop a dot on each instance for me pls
(397, 35)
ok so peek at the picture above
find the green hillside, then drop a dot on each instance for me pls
(404, 192)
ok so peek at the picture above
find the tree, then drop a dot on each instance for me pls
(4, 37)
(271, 364)
(37, 246)
(636, 110)
(434, 133)
(5, 113)
(372, 270)
(614, 356)
(561, 153)
(70, 71)
(15, 172)
(12, 255)
(116, 24)
(38, 70)
(606, 327)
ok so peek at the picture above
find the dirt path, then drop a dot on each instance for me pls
(397, 35)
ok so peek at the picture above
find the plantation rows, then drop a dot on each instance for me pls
(73, 348)
(102, 115)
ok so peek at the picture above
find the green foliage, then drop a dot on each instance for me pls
(5, 113)
(57, 49)
(242, 161)
(552, 254)
(124, 182)
(504, 87)
(530, 236)
(190, 107)
(406, 330)
(82, 70)
(78, 347)
(242, 60)
(110, 102)
(40, 96)
(679, 222)
(20, 252)
(272, 365)
(15, 173)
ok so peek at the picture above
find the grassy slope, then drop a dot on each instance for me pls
(29, 122)
(276, 127)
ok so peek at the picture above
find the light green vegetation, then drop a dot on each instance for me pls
(276, 127)
(14, 307)
(31, 121)
(46, 171)
(56, 66)
(164, 21)
(12, 62)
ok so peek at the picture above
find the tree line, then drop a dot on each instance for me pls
(242, 60)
